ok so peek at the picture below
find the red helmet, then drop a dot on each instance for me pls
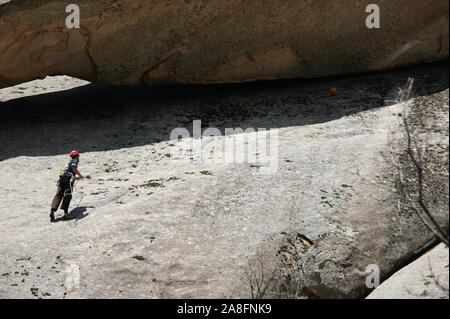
(74, 153)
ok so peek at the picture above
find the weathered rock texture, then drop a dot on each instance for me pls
(152, 223)
(204, 41)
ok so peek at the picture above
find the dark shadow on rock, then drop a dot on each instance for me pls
(77, 213)
(100, 118)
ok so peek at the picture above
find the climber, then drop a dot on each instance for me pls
(65, 184)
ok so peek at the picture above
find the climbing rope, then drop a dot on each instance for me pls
(72, 186)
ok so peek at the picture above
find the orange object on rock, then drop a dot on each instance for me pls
(333, 91)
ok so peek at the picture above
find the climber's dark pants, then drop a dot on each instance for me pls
(63, 193)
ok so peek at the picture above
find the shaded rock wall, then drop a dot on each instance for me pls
(128, 42)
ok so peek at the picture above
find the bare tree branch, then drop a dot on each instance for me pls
(414, 145)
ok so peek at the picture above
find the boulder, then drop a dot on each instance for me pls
(203, 41)
(425, 278)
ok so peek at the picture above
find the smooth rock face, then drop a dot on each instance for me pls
(204, 41)
(425, 278)
(152, 224)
